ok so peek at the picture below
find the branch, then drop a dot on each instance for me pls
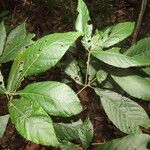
(139, 21)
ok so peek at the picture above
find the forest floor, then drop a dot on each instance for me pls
(42, 20)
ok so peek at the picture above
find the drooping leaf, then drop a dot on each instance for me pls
(3, 124)
(67, 131)
(117, 33)
(123, 112)
(134, 85)
(141, 48)
(2, 37)
(32, 122)
(86, 133)
(16, 41)
(119, 60)
(40, 56)
(2, 86)
(55, 98)
(73, 71)
(130, 142)
(82, 23)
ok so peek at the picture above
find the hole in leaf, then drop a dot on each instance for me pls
(89, 22)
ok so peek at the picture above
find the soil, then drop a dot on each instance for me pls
(42, 20)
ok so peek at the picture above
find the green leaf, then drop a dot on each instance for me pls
(2, 86)
(73, 70)
(82, 23)
(141, 48)
(83, 18)
(147, 70)
(124, 113)
(3, 124)
(55, 98)
(69, 146)
(40, 56)
(111, 35)
(117, 33)
(2, 37)
(67, 131)
(16, 41)
(86, 133)
(32, 122)
(119, 60)
(134, 85)
(130, 142)
(101, 76)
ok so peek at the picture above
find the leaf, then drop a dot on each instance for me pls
(2, 37)
(40, 56)
(16, 41)
(82, 23)
(119, 60)
(134, 85)
(55, 98)
(124, 113)
(147, 70)
(83, 18)
(141, 48)
(130, 142)
(2, 86)
(101, 76)
(3, 124)
(67, 131)
(69, 146)
(86, 133)
(73, 71)
(32, 122)
(118, 33)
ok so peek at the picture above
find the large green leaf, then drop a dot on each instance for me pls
(68, 131)
(124, 113)
(86, 133)
(40, 56)
(55, 98)
(2, 86)
(117, 33)
(130, 142)
(119, 60)
(141, 48)
(32, 122)
(82, 23)
(3, 124)
(16, 41)
(134, 85)
(2, 37)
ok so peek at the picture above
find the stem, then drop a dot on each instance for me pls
(82, 89)
(87, 85)
(87, 69)
(139, 21)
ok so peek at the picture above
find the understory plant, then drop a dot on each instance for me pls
(93, 59)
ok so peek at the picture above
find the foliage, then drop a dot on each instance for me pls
(33, 108)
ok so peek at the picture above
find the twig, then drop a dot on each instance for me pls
(87, 85)
(87, 69)
(139, 21)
